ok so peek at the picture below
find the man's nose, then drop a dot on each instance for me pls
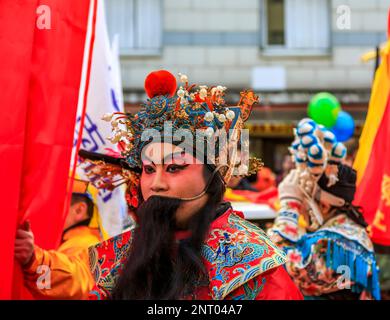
(159, 182)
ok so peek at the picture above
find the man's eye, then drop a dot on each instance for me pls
(172, 168)
(148, 169)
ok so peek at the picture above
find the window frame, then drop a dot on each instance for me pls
(145, 52)
(281, 50)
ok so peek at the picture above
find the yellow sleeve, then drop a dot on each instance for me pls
(60, 274)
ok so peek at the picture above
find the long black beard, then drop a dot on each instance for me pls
(157, 267)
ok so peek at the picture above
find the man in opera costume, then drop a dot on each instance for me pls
(188, 243)
(331, 256)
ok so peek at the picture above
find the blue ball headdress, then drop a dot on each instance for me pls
(319, 156)
(316, 152)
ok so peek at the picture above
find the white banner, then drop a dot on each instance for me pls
(104, 96)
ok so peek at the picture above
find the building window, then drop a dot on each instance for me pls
(138, 23)
(296, 26)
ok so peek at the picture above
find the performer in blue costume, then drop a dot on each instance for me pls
(330, 255)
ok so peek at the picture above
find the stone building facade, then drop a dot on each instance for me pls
(286, 50)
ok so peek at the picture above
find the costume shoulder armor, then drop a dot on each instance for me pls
(237, 251)
(106, 260)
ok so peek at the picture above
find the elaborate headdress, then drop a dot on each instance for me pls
(318, 156)
(200, 112)
(197, 112)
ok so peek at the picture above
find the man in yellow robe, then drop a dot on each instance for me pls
(50, 274)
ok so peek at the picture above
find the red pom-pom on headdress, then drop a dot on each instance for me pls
(160, 83)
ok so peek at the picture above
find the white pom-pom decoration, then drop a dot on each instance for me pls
(180, 92)
(230, 115)
(183, 78)
(209, 116)
(305, 128)
(107, 117)
(308, 140)
(203, 93)
(339, 152)
(222, 118)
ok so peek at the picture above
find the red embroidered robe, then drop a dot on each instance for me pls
(241, 260)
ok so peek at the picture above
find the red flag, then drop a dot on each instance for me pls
(14, 80)
(373, 158)
(41, 64)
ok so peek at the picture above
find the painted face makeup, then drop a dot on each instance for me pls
(168, 171)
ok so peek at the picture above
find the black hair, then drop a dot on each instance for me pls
(345, 188)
